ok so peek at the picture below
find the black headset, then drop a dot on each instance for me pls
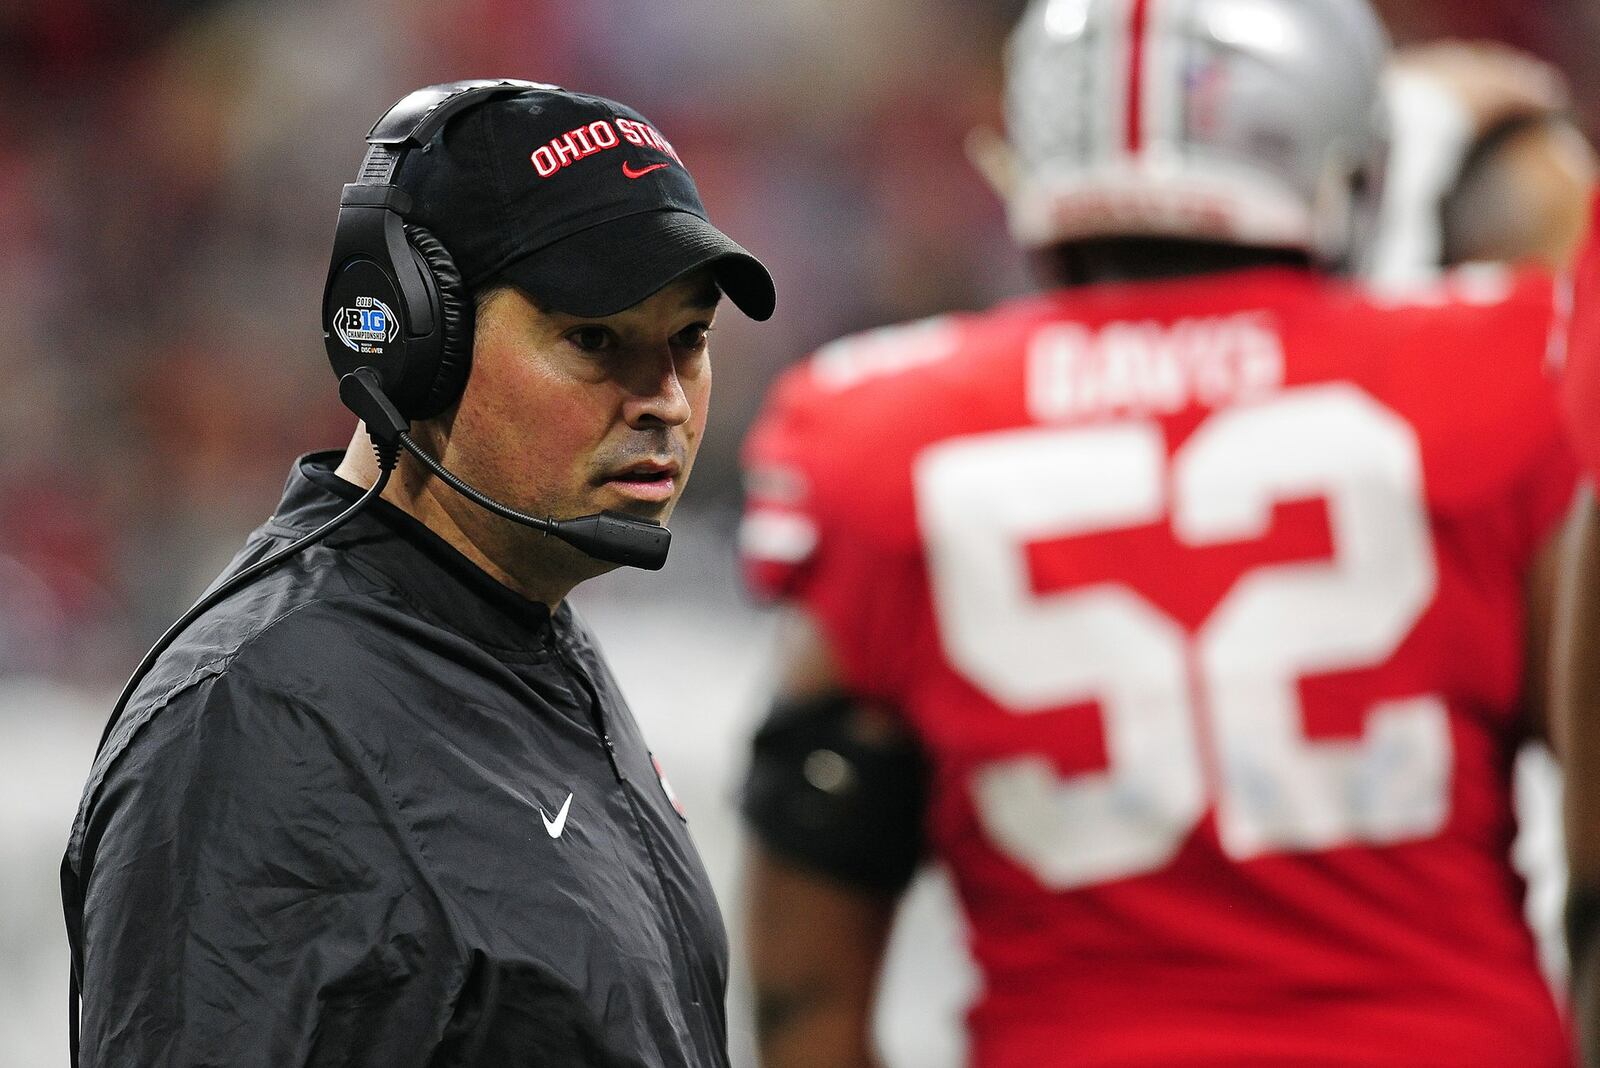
(394, 300)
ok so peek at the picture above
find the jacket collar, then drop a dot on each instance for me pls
(421, 565)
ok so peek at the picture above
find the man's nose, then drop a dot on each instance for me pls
(656, 394)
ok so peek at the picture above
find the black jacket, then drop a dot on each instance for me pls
(333, 828)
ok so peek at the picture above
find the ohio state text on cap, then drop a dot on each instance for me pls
(577, 200)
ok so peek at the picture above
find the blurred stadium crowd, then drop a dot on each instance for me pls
(168, 182)
(168, 176)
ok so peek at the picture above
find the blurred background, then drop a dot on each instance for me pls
(169, 173)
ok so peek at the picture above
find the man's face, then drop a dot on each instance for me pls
(564, 416)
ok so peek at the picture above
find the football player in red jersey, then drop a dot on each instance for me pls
(1190, 613)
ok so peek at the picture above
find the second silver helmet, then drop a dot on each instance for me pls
(1256, 122)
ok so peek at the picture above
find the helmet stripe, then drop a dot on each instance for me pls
(1138, 31)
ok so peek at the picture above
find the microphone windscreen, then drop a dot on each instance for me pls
(617, 539)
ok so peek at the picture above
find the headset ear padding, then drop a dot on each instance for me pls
(455, 321)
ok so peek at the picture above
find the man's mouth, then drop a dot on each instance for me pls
(645, 481)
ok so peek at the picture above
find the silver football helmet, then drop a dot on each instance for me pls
(1255, 122)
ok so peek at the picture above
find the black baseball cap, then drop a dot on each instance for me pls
(575, 199)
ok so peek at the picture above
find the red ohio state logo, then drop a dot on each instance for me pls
(666, 788)
(582, 142)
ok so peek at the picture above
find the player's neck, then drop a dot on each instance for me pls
(1113, 260)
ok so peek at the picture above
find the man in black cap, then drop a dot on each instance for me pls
(384, 805)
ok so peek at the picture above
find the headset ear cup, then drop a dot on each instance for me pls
(455, 320)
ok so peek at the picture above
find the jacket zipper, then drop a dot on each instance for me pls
(597, 715)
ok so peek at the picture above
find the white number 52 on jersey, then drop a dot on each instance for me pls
(982, 499)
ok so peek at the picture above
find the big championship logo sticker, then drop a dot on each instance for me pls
(367, 327)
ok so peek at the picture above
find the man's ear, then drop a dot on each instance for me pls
(991, 155)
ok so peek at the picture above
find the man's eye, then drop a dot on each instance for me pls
(692, 337)
(590, 338)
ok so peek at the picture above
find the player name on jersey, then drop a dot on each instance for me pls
(1076, 371)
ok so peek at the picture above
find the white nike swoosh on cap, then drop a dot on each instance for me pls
(554, 827)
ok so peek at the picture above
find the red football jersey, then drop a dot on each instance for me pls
(1207, 600)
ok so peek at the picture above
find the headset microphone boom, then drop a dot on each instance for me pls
(608, 536)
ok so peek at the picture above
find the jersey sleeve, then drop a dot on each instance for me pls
(780, 534)
(813, 531)
(1541, 499)
(251, 900)
(1474, 370)
(1526, 352)
(1581, 378)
